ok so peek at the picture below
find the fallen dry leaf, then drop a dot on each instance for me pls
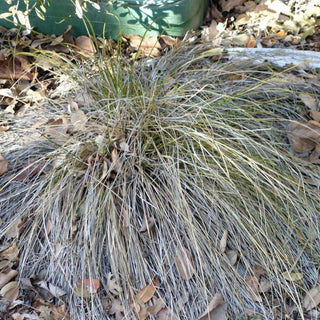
(253, 285)
(157, 306)
(146, 46)
(140, 309)
(312, 298)
(11, 253)
(49, 311)
(315, 155)
(215, 309)
(52, 289)
(315, 115)
(169, 41)
(7, 277)
(146, 42)
(60, 313)
(309, 101)
(4, 128)
(85, 45)
(123, 146)
(146, 293)
(10, 291)
(15, 68)
(6, 92)
(87, 287)
(185, 264)
(112, 285)
(6, 265)
(252, 43)
(304, 136)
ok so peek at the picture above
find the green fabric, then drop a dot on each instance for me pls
(140, 17)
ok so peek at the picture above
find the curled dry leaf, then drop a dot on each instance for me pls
(223, 241)
(309, 101)
(6, 277)
(169, 41)
(15, 67)
(146, 45)
(146, 293)
(185, 264)
(146, 42)
(215, 309)
(253, 284)
(10, 291)
(3, 165)
(5, 265)
(4, 128)
(11, 253)
(304, 136)
(312, 298)
(85, 45)
(52, 289)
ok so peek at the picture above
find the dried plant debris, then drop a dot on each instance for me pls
(269, 24)
(173, 194)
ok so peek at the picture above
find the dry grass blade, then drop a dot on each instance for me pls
(205, 151)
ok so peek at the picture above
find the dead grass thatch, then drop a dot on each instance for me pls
(177, 154)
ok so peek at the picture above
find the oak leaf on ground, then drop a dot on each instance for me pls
(185, 264)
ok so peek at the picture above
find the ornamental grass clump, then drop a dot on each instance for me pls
(181, 178)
